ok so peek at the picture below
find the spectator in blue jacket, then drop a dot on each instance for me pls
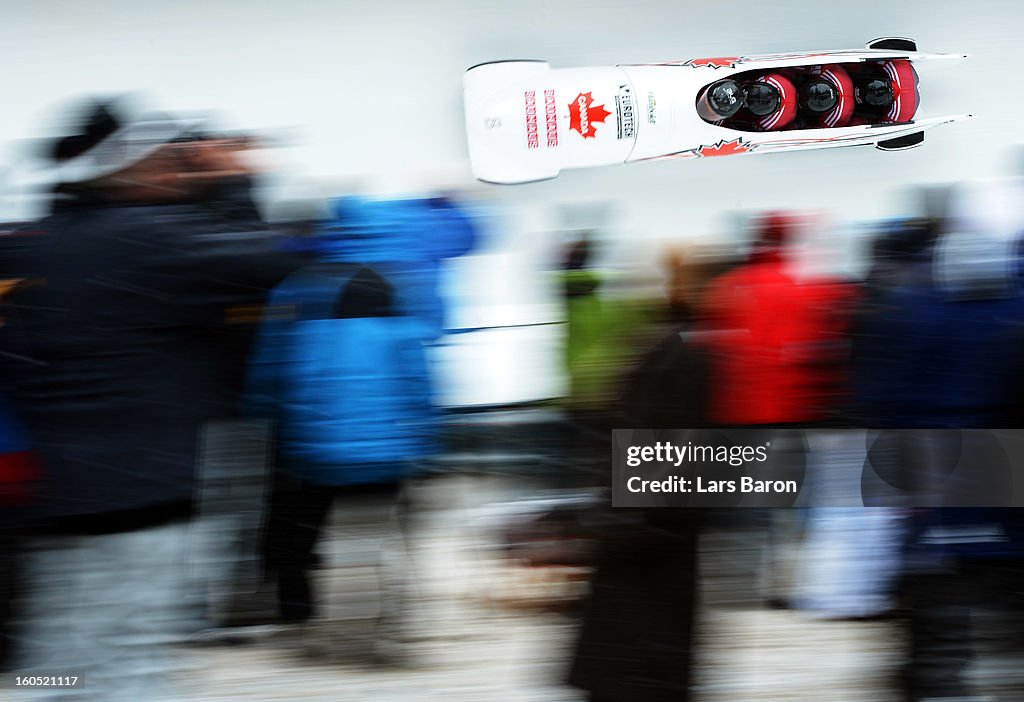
(340, 365)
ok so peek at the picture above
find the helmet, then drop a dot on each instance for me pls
(761, 98)
(818, 95)
(875, 92)
(725, 98)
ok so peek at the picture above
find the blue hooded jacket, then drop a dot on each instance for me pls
(351, 395)
(405, 241)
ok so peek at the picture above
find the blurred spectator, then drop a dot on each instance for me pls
(341, 368)
(116, 358)
(636, 640)
(849, 557)
(894, 250)
(777, 341)
(944, 349)
(669, 388)
(776, 349)
(600, 331)
(18, 472)
(18, 469)
(15, 243)
(602, 340)
(406, 241)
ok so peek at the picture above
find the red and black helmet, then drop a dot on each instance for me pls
(890, 91)
(827, 96)
(776, 91)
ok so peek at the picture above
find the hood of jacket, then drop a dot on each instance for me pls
(367, 230)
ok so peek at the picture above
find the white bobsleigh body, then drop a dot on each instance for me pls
(526, 121)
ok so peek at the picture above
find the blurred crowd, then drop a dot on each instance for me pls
(171, 362)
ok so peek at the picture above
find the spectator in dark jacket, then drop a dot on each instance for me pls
(636, 640)
(117, 355)
(942, 350)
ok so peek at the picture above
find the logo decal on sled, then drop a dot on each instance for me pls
(551, 117)
(584, 115)
(719, 62)
(725, 148)
(532, 140)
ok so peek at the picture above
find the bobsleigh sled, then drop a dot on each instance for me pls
(527, 121)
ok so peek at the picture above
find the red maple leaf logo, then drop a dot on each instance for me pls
(725, 148)
(584, 114)
(719, 62)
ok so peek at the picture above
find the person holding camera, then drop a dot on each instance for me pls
(115, 358)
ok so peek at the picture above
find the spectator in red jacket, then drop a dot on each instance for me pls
(776, 341)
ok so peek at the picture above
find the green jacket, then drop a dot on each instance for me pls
(602, 339)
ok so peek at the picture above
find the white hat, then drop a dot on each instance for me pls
(108, 139)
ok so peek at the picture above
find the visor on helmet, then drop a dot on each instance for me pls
(875, 92)
(818, 96)
(725, 98)
(761, 98)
